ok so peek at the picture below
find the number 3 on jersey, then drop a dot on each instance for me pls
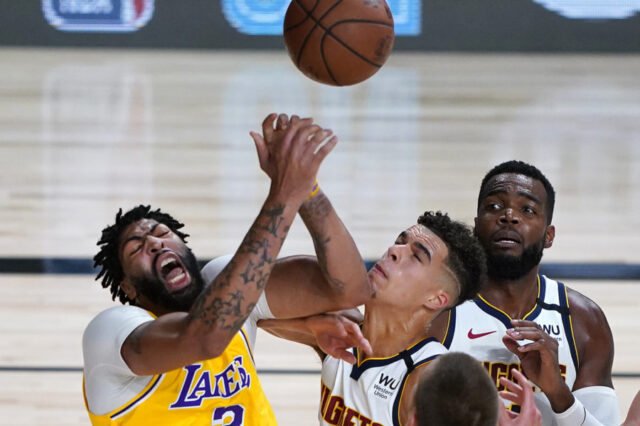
(232, 415)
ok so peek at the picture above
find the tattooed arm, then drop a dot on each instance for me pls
(304, 285)
(178, 339)
(334, 280)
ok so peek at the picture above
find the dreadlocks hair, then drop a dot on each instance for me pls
(522, 168)
(466, 257)
(107, 258)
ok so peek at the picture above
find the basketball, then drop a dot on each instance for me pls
(338, 42)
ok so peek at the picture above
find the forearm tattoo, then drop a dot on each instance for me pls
(314, 212)
(258, 250)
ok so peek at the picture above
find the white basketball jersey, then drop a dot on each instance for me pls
(369, 392)
(476, 327)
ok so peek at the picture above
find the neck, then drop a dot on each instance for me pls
(146, 304)
(392, 330)
(515, 297)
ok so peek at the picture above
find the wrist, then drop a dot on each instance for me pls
(560, 399)
(284, 197)
(314, 191)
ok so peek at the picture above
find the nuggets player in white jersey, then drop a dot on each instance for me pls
(179, 354)
(558, 337)
(431, 266)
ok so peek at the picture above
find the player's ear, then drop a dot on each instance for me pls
(438, 300)
(129, 289)
(549, 235)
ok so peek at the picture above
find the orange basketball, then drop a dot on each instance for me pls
(338, 42)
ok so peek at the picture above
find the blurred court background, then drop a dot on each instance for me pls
(112, 103)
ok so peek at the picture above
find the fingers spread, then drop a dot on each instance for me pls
(513, 387)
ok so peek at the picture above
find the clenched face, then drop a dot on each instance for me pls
(411, 270)
(159, 266)
(512, 225)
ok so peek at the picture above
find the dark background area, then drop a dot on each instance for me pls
(447, 25)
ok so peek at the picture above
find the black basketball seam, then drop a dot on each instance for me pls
(294, 26)
(336, 38)
(317, 23)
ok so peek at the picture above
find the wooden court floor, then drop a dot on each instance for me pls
(84, 132)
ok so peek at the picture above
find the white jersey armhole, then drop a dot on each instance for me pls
(109, 383)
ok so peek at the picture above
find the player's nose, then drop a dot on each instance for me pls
(509, 216)
(153, 244)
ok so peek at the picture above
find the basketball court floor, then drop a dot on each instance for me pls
(84, 132)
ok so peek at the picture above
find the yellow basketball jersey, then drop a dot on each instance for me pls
(221, 391)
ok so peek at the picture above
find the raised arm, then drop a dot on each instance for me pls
(335, 279)
(179, 339)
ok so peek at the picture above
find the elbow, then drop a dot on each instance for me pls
(208, 344)
(211, 349)
(214, 343)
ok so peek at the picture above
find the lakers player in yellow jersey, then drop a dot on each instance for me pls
(178, 352)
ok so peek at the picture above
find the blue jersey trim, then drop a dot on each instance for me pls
(358, 369)
(395, 413)
(451, 329)
(566, 322)
(506, 319)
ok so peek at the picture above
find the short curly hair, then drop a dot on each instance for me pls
(525, 169)
(107, 258)
(466, 256)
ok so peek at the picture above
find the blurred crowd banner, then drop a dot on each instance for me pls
(432, 25)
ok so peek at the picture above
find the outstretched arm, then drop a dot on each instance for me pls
(328, 334)
(336, 278)
(179, 339)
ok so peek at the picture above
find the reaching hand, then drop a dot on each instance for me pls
(336, 334)
(522, 394)
(292, 153)
(539, 359)
(274, 127)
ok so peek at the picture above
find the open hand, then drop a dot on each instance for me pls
(292, 152)
(522, 394)
(335, 335)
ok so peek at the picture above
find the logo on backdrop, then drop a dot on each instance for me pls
(265, 17)
(589, 9)
(103, 16)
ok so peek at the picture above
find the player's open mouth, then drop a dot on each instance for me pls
(506, 239)
(172, 272)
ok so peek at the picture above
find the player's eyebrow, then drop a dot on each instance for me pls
(524, 194)
(140, 237)
(423, 248)
(403, 238)
(530, 197)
